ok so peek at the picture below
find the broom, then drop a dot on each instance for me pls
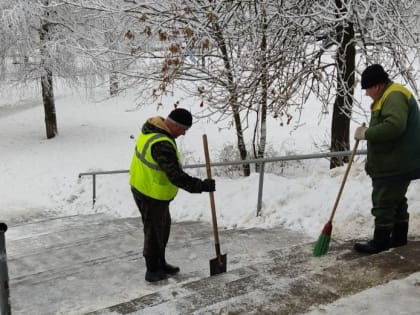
(321, 246)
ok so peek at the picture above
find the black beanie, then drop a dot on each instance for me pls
(181, 117)
(373, 75)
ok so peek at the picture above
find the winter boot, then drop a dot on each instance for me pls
(381, 242)
(154, 270)
(168, 268)
(399, 234)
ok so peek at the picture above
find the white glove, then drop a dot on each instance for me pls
(360, 133)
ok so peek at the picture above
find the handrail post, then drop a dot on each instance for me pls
(260, 188)
(4, 276)
(93, 190)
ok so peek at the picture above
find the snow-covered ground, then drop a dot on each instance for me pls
(39, 177)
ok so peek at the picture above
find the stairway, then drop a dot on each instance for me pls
(93, 265)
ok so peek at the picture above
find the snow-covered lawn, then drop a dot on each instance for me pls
(39, 177)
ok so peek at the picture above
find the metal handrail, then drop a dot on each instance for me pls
(260, 162)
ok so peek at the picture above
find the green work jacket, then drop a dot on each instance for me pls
(393, 136)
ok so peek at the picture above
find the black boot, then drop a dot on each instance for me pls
(399, 234)
(381, 242)
(168, 268)
(154, 270)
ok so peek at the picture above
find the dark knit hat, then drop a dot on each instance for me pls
(181, 117)
(373, 75)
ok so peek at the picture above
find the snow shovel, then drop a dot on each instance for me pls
(218, 264)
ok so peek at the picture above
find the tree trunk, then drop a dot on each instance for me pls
(49, 104)
(113, 84)
(264, 94)
(233, 100)
(240, 138)
(346, 59)
(47, 81)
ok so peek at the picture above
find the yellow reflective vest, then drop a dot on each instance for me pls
(145, 174)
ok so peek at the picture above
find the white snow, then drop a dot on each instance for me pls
(39, 177)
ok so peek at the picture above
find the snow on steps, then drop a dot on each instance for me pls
(93, 265)
(290, 281)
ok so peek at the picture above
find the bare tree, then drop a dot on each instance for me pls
(342, 36)
(243, 60)
(264, 57)
(236, 56)
(343, 104)
(47, 39)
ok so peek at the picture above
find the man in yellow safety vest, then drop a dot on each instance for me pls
(155, 176)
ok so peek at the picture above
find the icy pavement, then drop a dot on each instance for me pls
(93, 265)
(77, 264)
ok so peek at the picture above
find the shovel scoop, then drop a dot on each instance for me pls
(218, 265)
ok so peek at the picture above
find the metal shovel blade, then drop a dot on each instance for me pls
(218, 265)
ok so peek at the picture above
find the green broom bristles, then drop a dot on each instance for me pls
(321, 246)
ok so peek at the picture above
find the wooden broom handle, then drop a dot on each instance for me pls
(353, 153)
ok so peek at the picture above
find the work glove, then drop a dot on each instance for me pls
(360, 133)
(208, 185)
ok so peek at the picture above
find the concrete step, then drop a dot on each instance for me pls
(85, 263)
(93, 265)
(290, 281)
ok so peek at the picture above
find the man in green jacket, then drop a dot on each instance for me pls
(393, 157)
(155, 176)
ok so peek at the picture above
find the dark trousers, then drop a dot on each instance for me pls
(156, 224)
(389, 202)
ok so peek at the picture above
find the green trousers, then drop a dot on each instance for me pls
(389, 202)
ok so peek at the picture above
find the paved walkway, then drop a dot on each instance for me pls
(93, 265)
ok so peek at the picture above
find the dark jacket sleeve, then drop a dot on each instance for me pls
(165, 155)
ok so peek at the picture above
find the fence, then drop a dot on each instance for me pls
(259, 162)
(4, 276)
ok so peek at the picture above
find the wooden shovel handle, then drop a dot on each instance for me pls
(211, 194)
